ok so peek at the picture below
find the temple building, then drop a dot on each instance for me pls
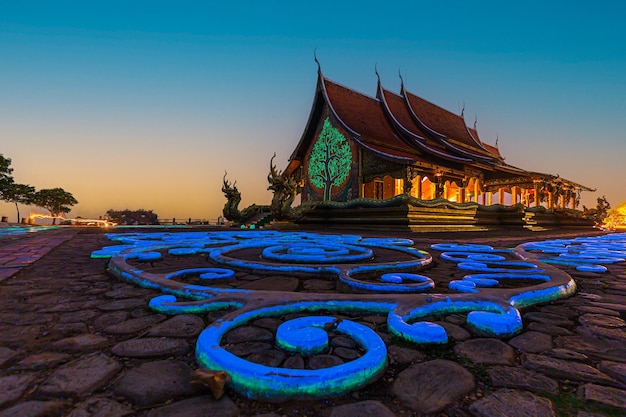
(355, 146)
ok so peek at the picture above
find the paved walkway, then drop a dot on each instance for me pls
(20, 250)
(76, 342)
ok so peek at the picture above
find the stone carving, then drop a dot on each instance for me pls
(285, 189)
(231, 208)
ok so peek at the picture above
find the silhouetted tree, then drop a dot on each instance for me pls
(56, 200)
(18, 194)
(127, 216)
(5, 174)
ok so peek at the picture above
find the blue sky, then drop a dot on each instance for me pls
(146, 104)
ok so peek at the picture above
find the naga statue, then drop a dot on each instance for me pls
(231, 208)
(599, 213)
(285, 189)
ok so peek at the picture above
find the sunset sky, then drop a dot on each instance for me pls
(145, 104)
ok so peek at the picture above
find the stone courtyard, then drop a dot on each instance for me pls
(78, 341)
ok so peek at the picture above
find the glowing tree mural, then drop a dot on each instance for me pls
(330, 159)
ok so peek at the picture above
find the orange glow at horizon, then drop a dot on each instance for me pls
(78, 221)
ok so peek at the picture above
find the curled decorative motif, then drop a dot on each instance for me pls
(588, 254)
(270, 383)
(485, 318)
(326, 288)
(314, 253)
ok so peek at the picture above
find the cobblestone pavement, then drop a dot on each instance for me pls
(77, 342)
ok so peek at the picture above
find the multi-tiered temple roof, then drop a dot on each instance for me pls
(407, 130)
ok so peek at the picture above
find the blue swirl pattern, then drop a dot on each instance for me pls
(498, 282)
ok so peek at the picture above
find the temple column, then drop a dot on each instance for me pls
(439, 188)
(501, 196)
(550, 200)
(476, 190)
(418, 187)
(537, 189)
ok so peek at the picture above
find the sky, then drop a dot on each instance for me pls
(145, 104)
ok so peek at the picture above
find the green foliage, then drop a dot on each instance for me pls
(18, 194)
(127, 216)
(55, 200)
(5, 174)
(330, 160)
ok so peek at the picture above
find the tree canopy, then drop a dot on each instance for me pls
(5, 174)
(56, 200)
(18, 194)
(127, 216)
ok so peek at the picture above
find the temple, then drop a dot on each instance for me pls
(355, 146)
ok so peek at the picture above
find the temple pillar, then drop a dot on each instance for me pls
(501, 196)
(550, 200)
(537, 190)
(439, 187)
(418, 187)
(476, 190)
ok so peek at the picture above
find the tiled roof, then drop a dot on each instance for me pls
(408, 127)
(440, 120)
(364, 115)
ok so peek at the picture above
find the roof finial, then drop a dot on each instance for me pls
(319, 67)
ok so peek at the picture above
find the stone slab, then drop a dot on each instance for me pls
(150, 347)
(156, 382)
(81, 377)
(432, 386)
(184, 325)
(13, 387)
(43, 360)
(559, 368)
(81, 343)
(201, 406)
(613, 397)
(520, 378)
(6, 355)
(362, 409)
(486, 351)
(101, 407)
(404, 355)
(135, 325)
(532, 342)
(512, 403)
(615, 370)
(35, 409)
